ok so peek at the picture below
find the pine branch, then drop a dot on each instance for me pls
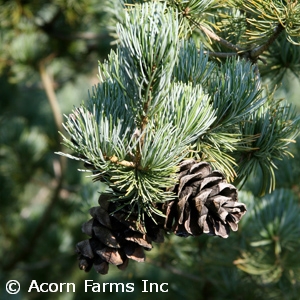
(143, 126)
(256, 52)
(159, 103)
(49, 89)
(253, 54)
(212, 35)
(48, 86)
(58, 166)
(220, 54)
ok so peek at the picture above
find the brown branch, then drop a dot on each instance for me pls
(58, 168)
(252, 55)
(220, 54)
(212, 35)
(49, 89)
(256, 52)
(48, 86)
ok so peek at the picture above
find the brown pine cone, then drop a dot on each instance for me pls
(115, 238)
(205, 202)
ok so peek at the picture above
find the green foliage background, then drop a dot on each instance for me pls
(44, 199)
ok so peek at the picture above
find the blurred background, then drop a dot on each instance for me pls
(48, 61)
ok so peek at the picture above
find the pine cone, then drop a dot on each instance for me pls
(115, 238)
(206, 203)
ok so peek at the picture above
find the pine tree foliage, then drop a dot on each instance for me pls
(267, 16)
(202, 90)
(139, 133)
(270, 121)
(160, 100)
(283, 56)
(275, 239)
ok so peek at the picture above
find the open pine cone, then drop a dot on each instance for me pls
(115, 238)
(206, 203)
